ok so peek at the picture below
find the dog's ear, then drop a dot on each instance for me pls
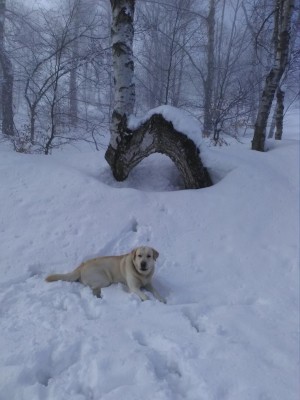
(133, 252)
(155, 254)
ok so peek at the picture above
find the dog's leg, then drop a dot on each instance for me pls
(134, 287)
(97, 292)
(138, 292)
(155, 293)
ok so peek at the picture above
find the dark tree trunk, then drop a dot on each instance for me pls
(157, 135)
(73, 73)
(8, 79)
(279, 114)
(209, 81)
(73, 92)
(7, 95)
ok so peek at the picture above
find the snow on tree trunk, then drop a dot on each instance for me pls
(285, 8)
(157, 135)
(128, 146)
(7, 80)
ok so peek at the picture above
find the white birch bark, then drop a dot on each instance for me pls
(123, 66)
(283, 24)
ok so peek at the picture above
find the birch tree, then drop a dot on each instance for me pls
(282, 26)
(123, 66)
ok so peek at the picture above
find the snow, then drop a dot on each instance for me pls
(228, 267)
(181, 120)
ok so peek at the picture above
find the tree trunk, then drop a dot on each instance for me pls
(157, 135)
(32, 123)
(279, 114)
(272, 126)
(73, 91)
(129, 147)
(122, 39)
(73, 73)
(53, 105)
(284, 14)
(208, 83)
(8, 78)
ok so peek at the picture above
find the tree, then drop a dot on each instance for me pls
(130, 146)
(209, 79)
(282, 24)
(50, 56)
(73, 95)
(8, 79)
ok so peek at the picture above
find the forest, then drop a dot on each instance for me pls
(211, 59)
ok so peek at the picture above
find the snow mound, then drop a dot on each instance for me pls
(182, 121)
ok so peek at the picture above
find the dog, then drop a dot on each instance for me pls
(134, 269)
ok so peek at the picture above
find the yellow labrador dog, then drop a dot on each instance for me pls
(134, 269)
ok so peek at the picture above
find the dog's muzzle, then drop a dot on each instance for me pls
(143, 266)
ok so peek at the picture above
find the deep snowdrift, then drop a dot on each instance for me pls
(228, 267)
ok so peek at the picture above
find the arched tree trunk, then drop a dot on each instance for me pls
(156, 135)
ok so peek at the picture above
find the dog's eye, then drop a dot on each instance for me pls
(139, 255)
(148, 256)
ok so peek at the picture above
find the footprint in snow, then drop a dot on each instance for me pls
(158, 349)
(133, 233)
(193, 320)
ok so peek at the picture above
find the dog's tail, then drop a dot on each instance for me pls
(70, 277)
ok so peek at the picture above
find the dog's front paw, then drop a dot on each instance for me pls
(160, 298)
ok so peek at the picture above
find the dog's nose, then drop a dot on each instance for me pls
(143, 264)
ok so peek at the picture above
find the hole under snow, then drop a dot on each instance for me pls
(156, 173)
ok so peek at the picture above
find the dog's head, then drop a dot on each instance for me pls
(144, 258)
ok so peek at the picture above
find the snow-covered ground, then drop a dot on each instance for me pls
(228, 267)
